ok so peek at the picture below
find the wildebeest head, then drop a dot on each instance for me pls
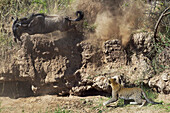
(17, 28)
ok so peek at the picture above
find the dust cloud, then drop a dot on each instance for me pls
(113, 19)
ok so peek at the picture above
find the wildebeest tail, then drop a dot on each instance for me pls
(79, 15)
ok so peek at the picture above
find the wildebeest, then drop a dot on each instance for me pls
(41, 24)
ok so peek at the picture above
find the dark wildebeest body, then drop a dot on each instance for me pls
(48, 24)
(41, 24)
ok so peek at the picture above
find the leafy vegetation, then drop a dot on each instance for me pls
(162, 40)
(162, 43)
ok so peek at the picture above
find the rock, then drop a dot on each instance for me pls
(164, 57)
(79, 91)
(161, 83)
(100, 83)
(142, 42)
(15, 89)
(165, 75)
(113, 51)
(140, 69)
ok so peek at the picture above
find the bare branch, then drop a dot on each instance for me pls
(159, 20)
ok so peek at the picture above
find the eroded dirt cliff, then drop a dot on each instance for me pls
(64, 64)
(78, 62)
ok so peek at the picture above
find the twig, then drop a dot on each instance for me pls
(166, 14)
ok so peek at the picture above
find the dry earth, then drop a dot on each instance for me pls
(75, 104)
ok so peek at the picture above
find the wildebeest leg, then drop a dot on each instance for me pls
(69, 23)
(15, 39)
(19, 39)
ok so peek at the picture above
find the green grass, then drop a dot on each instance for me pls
(89, 27)
(165, 107)
(61, 111)
(0, 107)
(120, 103)
(58, 110)
(99, 106)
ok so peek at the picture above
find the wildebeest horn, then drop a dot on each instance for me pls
(13, 19)
(24, 25)
(18, 24)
